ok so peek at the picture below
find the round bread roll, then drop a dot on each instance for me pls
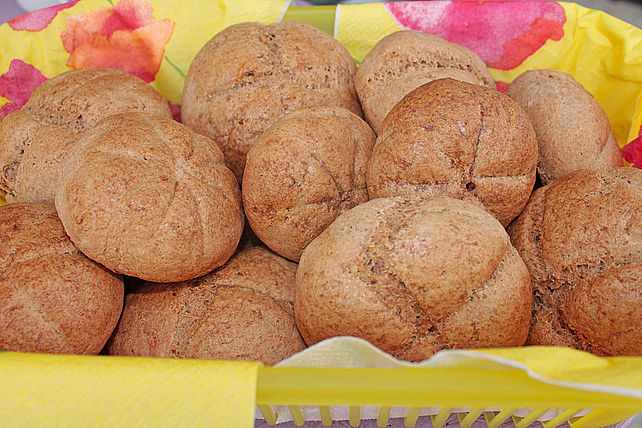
(460, 140)
(304, 171)
(31, 156)
(573, 131)
(249, 75)
(414, 276)
(35, 140)
(581, 239)
(78, 99)
(243, 311)
(405, 60)
(147, 197)
(53, 299)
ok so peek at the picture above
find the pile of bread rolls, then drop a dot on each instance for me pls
(304, 198)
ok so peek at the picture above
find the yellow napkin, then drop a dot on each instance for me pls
(99, 391)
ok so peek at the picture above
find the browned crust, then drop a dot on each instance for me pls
(403, 61)
(35, 140)
(414, 276)
(241, 311)
(249, 75)
(53, 299)
(304, 171)
(147, 197)
(460, 140)
(573, 131)
(579, 237)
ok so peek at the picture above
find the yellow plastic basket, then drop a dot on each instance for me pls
(96, 391)
(470, 391)
(103, 391)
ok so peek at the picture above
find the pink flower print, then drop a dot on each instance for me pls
(501, 86)
(38, 19)
(176, 111)
(632, 152)
(17, 84)
(502, 33)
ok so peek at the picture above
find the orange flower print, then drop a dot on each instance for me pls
(124, 36)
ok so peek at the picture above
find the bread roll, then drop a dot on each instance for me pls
(147, 197)
(581, 238)
(53, 299)
(305, 170)
(79, 99)
(414, 276)
(241, 311)
(405, 60)
(35, 140)
(573, 131)
(249, 75)
(460, 140)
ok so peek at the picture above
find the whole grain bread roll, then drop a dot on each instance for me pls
(147, 197)
(305, 170)
(573, 131)
(53, 299)
(243, 311)
(405, 60)
(581, 238)
(249, 75)
(414, 276)
(79, 99)
(460, 140)
(35, 140)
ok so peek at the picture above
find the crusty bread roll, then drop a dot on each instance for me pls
(303, 172)
(147, 197)
(79, 99)
(241, 311)
(405, 60)
(31, 156)
(35, 140)
(249, 75)
(581, 238)
(53, 299)
(413, 276)
(573, 131)
(460, 140)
